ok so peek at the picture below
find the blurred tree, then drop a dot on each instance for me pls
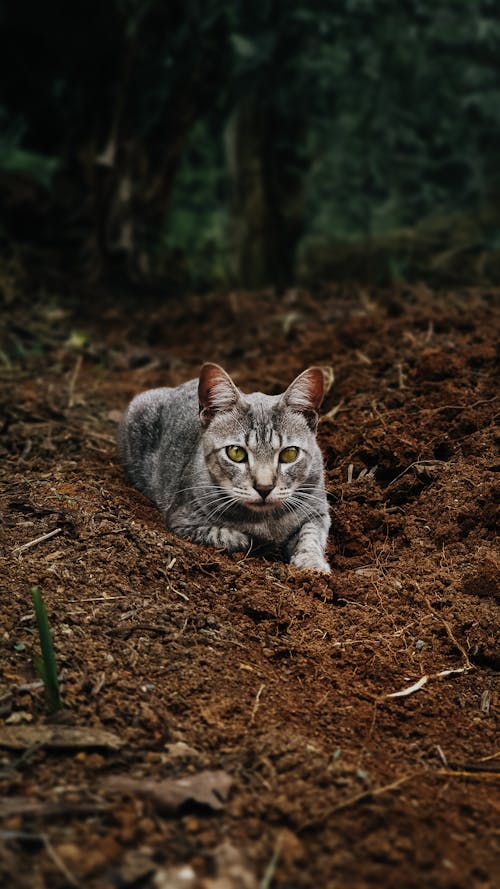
(345, 123)
(265, 140)
(111, 90)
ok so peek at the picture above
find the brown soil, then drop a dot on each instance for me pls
(278, 677)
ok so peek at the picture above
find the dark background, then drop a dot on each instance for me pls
(218, 143)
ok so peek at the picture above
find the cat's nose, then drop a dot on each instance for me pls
(263, 490)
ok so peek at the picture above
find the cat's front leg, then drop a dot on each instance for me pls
(222, 538)
(307, 547)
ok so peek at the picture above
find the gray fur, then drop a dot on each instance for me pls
(172, 443)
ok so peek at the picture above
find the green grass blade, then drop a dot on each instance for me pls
(46, 665)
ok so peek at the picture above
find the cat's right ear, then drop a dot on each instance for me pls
(305, 395)
(216, 392)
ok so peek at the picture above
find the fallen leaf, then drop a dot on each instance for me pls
(181, 750)
(233, 871)
(20, 737)
(177, 877)
(25, 805)
(18, 717)
(137, 865)
(206, 788)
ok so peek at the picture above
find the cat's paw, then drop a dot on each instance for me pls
(230, 540)
(311, 561)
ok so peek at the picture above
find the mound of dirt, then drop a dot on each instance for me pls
(230, 721)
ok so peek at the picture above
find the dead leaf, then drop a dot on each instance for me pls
(181, 750)
(25, 805)
(206, 788)
(20, 737)
(137, 865)
(177, 877)
(19, 717)
(233, 871)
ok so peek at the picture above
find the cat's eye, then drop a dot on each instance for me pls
(288, 455)
(236, 453)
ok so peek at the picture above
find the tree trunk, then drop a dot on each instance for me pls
(267, 193)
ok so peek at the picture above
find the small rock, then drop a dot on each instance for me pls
(179, 877)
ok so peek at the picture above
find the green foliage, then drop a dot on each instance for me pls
(197, 223)
(416, 123)
(15, 159)
(393, 114)
(370, 117)
(46, 664)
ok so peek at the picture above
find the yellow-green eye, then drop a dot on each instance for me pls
(237, 454)
(288, 455)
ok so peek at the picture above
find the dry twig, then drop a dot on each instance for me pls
(36, 541)
(256, 703)
(59, 863)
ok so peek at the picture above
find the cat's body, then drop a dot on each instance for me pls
(228, 469)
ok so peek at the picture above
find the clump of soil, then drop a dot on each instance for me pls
(198, 662)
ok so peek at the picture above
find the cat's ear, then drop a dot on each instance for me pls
(305, 394)
(216, 392)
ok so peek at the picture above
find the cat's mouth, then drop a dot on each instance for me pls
(262, 505)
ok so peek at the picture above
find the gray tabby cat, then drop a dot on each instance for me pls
(228, 469)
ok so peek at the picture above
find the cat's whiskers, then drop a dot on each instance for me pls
(299, 506)
(295, 508)
(221, 509)
(313, 498)
(212, 495)
(316, 487)
(209, 485)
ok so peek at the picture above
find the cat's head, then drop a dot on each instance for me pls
(260, 449)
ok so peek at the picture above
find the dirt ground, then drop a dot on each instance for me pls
(265, 686)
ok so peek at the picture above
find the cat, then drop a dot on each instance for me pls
(227, 469)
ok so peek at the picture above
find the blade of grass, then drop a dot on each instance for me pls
(46, 665)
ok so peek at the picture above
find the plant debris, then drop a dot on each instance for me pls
(205, 788)
(57, 737)
(176, 660)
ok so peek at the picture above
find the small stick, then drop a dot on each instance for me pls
(416, 463)
(59, 863)
(491, 756)
(267, 879)
(98, 599)
(42, 539)
(106, 438)
(364, 795)
(442, 755)
(401, 376)
(72, 382)
(178, 592)
(425, 679)
(332, 412)
(468, 665)
(256, 703)
(464, 773)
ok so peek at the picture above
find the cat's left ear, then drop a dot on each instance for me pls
(216, 392)
(305, 394)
